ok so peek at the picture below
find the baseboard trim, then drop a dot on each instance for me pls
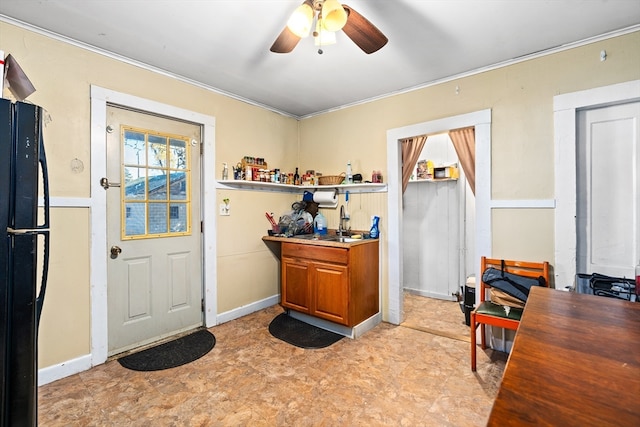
(247, 309)
(353, 333)
(430, 294)
(64, 369)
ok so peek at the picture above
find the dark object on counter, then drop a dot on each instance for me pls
(299, 221)
(357, 178)
(301, 334)
(312, 208)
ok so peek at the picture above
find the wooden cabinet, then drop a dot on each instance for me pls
(339, 284)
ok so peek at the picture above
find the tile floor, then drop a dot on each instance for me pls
(391, 376)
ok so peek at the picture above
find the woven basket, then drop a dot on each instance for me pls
(331, 179)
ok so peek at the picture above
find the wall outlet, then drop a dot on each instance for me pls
(225, 209)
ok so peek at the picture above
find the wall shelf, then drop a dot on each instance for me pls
(288, 188)
(433, 180)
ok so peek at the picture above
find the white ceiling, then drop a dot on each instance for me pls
(224, 44)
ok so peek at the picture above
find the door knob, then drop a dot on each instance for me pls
(115, 251)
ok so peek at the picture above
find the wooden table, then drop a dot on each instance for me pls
(575, 361)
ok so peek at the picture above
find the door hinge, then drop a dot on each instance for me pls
(202, 304)
(202, 226)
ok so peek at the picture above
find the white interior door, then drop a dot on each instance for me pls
(153, 228)
(608, 182)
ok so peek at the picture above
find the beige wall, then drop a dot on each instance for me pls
(62, 75)
(520, 97)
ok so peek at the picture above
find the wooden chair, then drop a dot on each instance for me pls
(488, 313)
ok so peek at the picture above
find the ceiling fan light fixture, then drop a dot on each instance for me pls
(322, 36)
(301, 20)
(334, 15)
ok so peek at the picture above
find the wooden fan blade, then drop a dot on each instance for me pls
(362, 32)
(285, 42)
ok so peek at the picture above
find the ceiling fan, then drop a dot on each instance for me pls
(329, 17)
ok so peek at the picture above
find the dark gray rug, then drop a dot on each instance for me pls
(301, 334)
(171, 354)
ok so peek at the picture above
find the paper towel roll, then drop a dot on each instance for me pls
(326, 199)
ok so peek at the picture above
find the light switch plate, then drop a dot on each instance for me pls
(225, 210)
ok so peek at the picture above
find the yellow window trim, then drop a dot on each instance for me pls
(167, 171)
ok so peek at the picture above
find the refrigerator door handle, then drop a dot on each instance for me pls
(45, 273)
(42, 158)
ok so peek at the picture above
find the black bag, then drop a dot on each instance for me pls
(613, 287)
(512, 284)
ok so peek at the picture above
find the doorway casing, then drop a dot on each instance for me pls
(481, 120)
(565, 109)
(100, 97)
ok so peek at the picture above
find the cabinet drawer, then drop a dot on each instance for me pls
(317, 253)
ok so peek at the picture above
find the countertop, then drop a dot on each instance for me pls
(309, 240)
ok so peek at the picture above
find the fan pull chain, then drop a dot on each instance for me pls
(319, 35)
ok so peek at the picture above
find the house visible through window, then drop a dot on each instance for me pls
(157, 183)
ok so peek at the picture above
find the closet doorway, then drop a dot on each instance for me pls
(481, 122)
(438, 218)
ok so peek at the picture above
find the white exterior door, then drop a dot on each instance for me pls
(154, 254)
(608, 183)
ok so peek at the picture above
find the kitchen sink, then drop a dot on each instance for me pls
(326, 238)
(342, 239)
(305, 236)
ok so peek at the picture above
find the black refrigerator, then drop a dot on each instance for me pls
(24, 238)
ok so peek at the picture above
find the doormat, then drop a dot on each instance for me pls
(301, 334)
(172, 353)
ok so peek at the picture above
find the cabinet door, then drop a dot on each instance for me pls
(296, 290)
(330, 284)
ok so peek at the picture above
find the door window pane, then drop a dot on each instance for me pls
(179, 215)
(134, 148)
(157, 153)
(157, 184)
(157, 218)
(178, 186)
(135, 183)
(178, 153)
(135, 219)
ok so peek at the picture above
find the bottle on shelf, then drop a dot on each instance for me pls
(296, 178)
(225, 172)
(349, 173)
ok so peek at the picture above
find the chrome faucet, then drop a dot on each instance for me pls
(343, 218)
